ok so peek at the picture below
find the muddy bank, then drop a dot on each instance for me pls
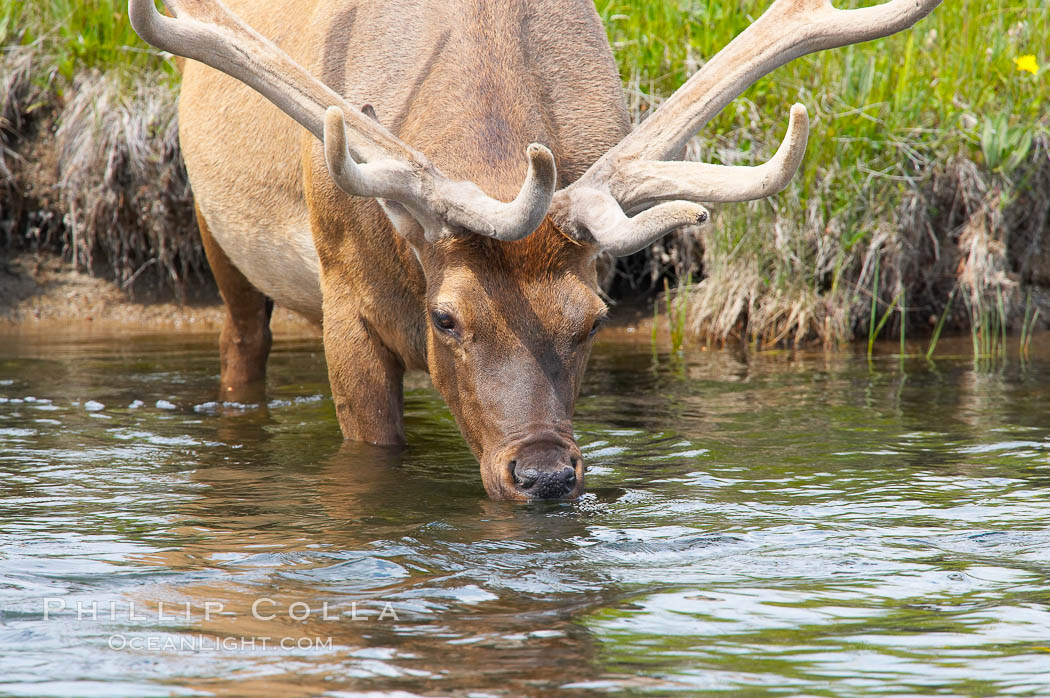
(41, 291)
(91, 170)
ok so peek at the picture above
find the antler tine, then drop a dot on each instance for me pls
(612, 231)
(643, 181)
(364, 158)
(633, 171)
(457, 204)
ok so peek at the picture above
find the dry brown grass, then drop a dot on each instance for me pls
(771, 276)
(92, 171)
(18, 93)
(123, 185)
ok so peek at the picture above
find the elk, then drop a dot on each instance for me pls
(403, 218)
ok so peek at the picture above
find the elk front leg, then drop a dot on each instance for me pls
(244, 344)
(366, 379)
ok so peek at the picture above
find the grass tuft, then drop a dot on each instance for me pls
(929, 161)
(89, 158)
(928, 151)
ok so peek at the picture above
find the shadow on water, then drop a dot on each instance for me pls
(762, 525)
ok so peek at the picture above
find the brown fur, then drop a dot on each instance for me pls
(244, 344)
(470, 83)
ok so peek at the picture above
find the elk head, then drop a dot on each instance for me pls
(511, 300)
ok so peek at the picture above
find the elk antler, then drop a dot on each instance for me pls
(364, 158)
(632, 177)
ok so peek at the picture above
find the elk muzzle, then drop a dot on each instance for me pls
(543, 465)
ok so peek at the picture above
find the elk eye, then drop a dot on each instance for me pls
(444, 321)
(597, 326)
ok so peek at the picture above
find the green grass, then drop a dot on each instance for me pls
(79, 35)
(888, 118)
(942, 84)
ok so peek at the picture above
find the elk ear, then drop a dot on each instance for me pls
(404, 223)
(362, 179)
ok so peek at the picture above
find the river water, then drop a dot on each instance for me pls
(778, 524)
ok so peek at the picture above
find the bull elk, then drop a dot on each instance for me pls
(404, 219)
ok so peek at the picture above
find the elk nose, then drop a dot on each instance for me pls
(544, 481)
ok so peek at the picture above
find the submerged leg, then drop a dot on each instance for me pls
(244, 343)
(366, 379)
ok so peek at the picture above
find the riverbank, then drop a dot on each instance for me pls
(923, 201)
(42, 292)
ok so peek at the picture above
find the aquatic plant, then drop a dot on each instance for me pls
(675, 307)
(939, 327)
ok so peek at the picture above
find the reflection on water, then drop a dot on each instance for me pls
(781, 526)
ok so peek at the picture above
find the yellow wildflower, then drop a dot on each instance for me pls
(1027, 63)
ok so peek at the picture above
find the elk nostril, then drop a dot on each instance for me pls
(567, 476)
(524, 476)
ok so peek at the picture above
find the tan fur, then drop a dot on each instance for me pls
(460, 89)
(435, 72)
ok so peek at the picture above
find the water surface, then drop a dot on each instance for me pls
(772, 525)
